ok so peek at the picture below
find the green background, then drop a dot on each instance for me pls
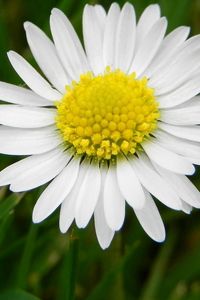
(37, 261)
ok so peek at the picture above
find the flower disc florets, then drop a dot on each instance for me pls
(108, 114)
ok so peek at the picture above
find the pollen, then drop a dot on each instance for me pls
(106, 115)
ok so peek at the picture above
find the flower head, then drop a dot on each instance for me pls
(112, 124)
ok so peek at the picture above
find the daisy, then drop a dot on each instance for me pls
(115, 123)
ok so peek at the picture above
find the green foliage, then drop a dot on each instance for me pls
(7, 205)
(37, 261)
(17, 295)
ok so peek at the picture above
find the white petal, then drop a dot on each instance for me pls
(32, 169)
(180, 146)
(110, 35)
(184, 53)
(129, 184)
(114, 203)
(125, 37)
(56, 191)
(67, 211)
(103, 231)
(101, 15)
(154, 183)
(32, 78)
(168, 159)
(45, 55)
(88, 196)
(169, 47)
(191, 44)
(16, 141)
(26, 117)
(181, 116)
(194, 160)
(186, 208)
(149, 47)
(93, 39)
(150, 220)
(68, 45)
(191, 133)
(148, 18)
(183, 186)
(180, 95)
(19, 95)
(192, 102)
(178, 74)
(40, 174)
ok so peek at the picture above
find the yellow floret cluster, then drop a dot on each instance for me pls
(108, 114)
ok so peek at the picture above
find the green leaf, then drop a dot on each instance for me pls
(158, 269)
(17, 295)
(69, 270)
(187, 269)
(27, 253)
(7, 205)
(110, 277)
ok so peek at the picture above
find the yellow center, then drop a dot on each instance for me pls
(108, 114)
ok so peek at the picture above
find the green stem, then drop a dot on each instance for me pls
(26, 257)
(158, 268)
(116, 255)
(69, 271)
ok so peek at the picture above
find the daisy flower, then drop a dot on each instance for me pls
(115, 123)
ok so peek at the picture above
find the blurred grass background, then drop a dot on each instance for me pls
(37, 261)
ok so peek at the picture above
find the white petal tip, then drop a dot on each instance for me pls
(81, 223)
(177, 205)
(10, 53)
(115, 4)
(64, 225)
(36, 219)
(27, 24)
(178, 208)
(40, 214)
(160, 236)
(87, 6)
(188, 28)
(155, 5)
(127, 5)
(160, 239)
(15, 189)
(63, 230)
(104, 246)
(55, 11)
(4, 182)
(164, 20)
(191, 171)
(139, 206)
(115, 227)
(105, 242)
